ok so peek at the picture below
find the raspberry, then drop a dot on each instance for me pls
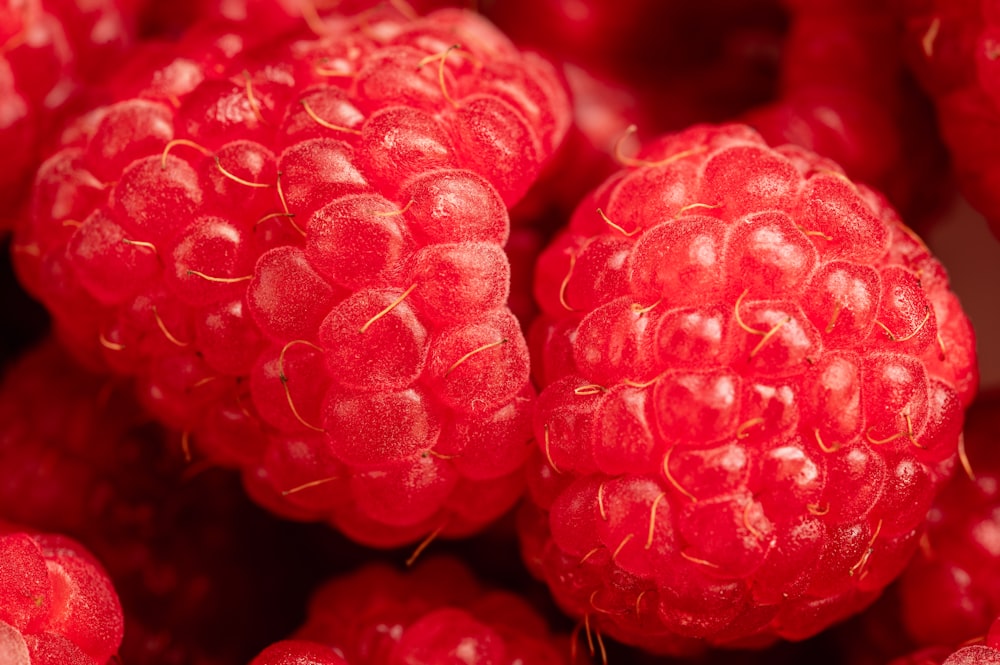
(950, 593)
(437, 613)
(49, 50)
(79, 457)
(952, 47)
(754, 380)
(845, 94)
(312, 231)
(57, 605)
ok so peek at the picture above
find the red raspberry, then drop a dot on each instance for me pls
(436, 613)
(754, 381)
(953, 46)
(57, 605)
(316, 288)
(950, 593)
(845, 94)
(79, 457)
(48, 50)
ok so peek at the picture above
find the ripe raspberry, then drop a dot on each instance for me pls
(953, 47)
(436, 613)
(987, 653)
(316, 288)
(57, 605)
(950, 593)
(49, 49)
(754, 380)
(846, 94)
(79, 457)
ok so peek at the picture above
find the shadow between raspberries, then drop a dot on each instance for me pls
(25, 321)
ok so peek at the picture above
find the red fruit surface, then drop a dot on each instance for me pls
(49, 50)
(952, 47)
(57, 604)
(183, 550)
(950, 593)
(754, 378)
(845, 94)
(312, 234)
(436, 613)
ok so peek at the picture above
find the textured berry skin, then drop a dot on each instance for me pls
(437, 613)
(182, 545)
(950, 593)
(845, 94)
(953, 47)
(49, 50)
(57, 605)
(754, 378)
(312, 237)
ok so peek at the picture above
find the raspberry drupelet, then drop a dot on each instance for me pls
(297, 250)
(754, 378)
(436, 613)
(57, 605)
(49, 50)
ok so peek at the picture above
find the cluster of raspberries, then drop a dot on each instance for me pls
(707, 383)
